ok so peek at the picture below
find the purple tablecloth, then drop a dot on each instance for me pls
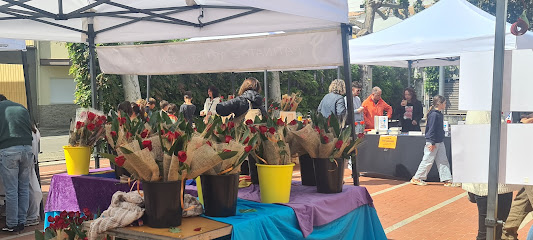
(316, 209)
(73, 193)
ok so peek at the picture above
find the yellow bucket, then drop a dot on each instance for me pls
(77, 159)
(275, 182)
(199, 189)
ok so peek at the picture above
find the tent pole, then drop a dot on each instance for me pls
(495, 120)
(266, 90)
(147, 87)
(232, 83)
(92, 71)
(27, 84)
(441, 80)
(346, 33)
(409, 70)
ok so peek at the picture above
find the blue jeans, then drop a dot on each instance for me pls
(15, 169)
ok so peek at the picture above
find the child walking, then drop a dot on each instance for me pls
(434, 151)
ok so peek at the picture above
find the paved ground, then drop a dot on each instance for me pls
(406, 211)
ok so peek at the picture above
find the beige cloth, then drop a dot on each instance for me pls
(124, 210)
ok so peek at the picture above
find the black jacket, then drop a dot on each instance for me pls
(407, 124)
(435, 127)
(240, 105)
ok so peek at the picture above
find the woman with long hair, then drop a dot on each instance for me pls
(249, 100)
(409, 111)
(434, 150)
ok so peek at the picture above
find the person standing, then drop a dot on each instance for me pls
(434, 150)
(247, 105)
(36, 195)
(375, 106)
(333, 102)
(16, 158)
(410, 111)
(187, 108)
(358, 115)
(210, 105)
(150, 106)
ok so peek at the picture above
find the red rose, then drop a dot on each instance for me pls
(50, 219)
(56, 218)
(147, 144)
(170, 137)
(144, 133)
(228, 139)
(272, 130)
(362, 122)
(226, 150)
(122, 121)
(249, 122)
(103, 118)
(326, 139)
(86, 211)
(280, 122)
(231, 125)
(356, 123)
(276, 108)
(221, 97)
(113, 134)
(246, 140)
(306, 122)
(339, 143)
(91, 116)
(263, 129)
(91, 126)
(248, 148)
(79, 125)
(293, 122)
(182, 156)
(63, 214)
(128, 135)
(70, 214)
(360, 135)
(253, 130)
(77, 214)
(100, 122)
(147, 119)
(162, 131)
(317, 129)
(209, 143)
(223, 126)
(120, 160)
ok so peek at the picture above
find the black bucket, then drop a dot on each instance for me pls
(253, 169)
(329, 175)
(307, 170)
(245, 169)
(220, 194)
(162, 203)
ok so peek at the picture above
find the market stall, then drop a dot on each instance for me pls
(420, 41)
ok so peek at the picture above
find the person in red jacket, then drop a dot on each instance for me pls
(375, 106)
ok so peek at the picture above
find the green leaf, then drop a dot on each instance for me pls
(39, 235)
(125, 150)
(200, 125)
(49, 234)
(334, 123)
(281, 143)
(174, 230)
(227, 155)
(111, 157)
(165, 118)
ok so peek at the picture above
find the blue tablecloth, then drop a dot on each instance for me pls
(273, 221)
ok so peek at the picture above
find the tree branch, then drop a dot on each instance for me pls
(382, 15)
(390, 5)
(357, 23)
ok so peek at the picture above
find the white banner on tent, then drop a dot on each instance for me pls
(12, 45)
(273, 52)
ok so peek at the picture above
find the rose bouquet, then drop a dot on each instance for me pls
(290, 102)
(66, 225)
(273, 148)
(87, 129)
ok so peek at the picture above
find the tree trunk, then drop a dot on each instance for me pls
(130, 83)
(132, 90)
(275, 89)
(366, 81)
(370, 14)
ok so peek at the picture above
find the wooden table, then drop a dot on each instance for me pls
(209, 229)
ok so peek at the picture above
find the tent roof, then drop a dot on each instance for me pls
(150, 20)
(12, 45)
(434, 37)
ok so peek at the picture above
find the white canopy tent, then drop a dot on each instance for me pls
(434, 37)
(107, 21)
(12, 45)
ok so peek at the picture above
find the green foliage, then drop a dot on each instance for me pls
(432, 80)
(392, 82)
(418, 6)
(514, 8)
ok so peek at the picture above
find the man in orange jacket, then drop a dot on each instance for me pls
(375, 106)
